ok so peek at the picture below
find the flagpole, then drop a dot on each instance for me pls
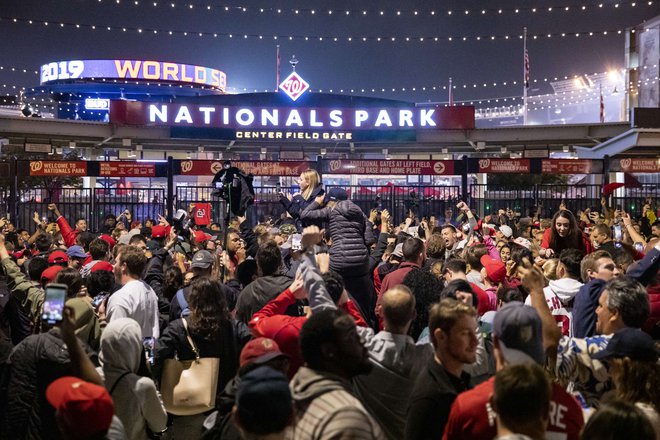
(601, 105)
(277, 72)
(451, 94)
(525, 73)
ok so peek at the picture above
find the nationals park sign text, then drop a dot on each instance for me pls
(275, 122)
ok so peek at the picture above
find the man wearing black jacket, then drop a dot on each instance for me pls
(451, 326)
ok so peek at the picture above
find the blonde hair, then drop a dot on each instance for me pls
(550, 269)
(314, 179)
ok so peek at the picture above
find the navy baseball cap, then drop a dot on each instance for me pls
(519, 331)
(629, 342)
(335, 195)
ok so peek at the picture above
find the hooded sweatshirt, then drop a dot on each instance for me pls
(559, 295)
(327, 408)
(257, 294)
(137, 403)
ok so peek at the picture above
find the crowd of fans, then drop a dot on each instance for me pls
(331, 323)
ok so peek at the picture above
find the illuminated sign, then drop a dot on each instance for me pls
(296, 135)
(291, 119)
(504, 166)
(133, 70)
(294, 86)
(97, 104)
(258, 168)
(571, 166)
(389, 167)
(57, 168)
(631, 165)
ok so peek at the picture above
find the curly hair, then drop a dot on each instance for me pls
(435, 246)
(208, 307)
(426, 288)
(636, 381)
(172, 282)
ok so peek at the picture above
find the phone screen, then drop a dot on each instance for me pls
(54, 303)
(296, 244)
(618, 235)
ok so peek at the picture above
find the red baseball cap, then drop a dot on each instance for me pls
(111, 241)
(159, 231)
(201, 236)
(260, 351)
(84, 409)
(495, 269)
(49, 274)
(58, 257)
(101, 265)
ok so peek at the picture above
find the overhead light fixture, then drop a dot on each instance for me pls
(72, 144)
(200, 149)
(503, 150)
(264, 150)
(567, 149)
(126, 142)
(385, 152)
(323, 151)
(445, 150)
(138, 147)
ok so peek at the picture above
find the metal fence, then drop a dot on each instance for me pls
(634, 199)
(94, 204)
(489, 198)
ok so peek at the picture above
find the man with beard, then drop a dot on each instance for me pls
(326, 406)
(451, 326)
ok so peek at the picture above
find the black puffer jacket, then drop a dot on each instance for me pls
(351, 235)
(298, 204)
(36, 362)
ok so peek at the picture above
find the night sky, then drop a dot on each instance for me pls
(250, 63)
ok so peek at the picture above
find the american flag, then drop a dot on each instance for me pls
(602, 107)
(526, 69)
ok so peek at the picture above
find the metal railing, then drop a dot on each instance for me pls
(94, 204)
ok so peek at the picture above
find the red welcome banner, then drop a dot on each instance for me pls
(504, 166)
(257, 168)
(57, 168)
(390, 167)
(127, 169)
(571, 166)
(630, 165)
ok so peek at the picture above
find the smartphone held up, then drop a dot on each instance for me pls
(53, 309)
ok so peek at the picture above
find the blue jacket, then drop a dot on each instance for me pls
(584, 308)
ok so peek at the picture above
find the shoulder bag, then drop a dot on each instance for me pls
(189, 387)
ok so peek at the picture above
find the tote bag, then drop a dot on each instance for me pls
(189, 387)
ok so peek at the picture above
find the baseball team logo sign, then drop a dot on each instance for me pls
(636, 165)
(504, 166)
(57, 168)
(390, 167)
(294, 86)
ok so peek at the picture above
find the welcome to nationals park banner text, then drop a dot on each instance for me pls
(332, 166)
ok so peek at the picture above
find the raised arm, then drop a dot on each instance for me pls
(315, 212)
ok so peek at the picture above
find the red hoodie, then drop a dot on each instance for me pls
(271, 322)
